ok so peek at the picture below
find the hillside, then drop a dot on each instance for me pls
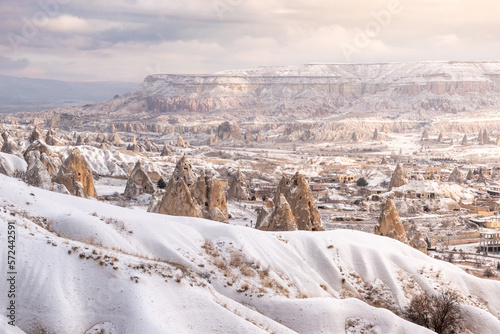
(84, 265)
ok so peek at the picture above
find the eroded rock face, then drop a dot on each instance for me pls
(389, 223)
(282, 218)
(51, 139)
(470, 175)
(138, 183)
(228, 131)
(425, 135)
(9, 145)
(238, 188)
(114, 139)
(181, 142)
(35, 135)
(415, 238)
(464, 140)
(455, 176)
(166, 152)
(398, 178)
(36, 174)
(203, 197)
(37, 145)
(178, 201)
(76, 176)
(299, 198)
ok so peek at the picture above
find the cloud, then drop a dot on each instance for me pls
(12, 64)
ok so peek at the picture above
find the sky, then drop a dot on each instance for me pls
(126, 40)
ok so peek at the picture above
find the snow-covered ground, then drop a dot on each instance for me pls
(84, 264)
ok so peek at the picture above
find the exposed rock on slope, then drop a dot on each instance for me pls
(9, 145)
(455, 176)
(389, 223)
(399, 177)
(238, 188)
(75, 175)
(281, 218)
(166, 152)
(299, 198)
(138, 183)
(36, 174)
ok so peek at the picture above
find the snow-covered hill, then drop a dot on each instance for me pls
(85, 266)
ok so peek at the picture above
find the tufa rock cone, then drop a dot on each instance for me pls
(238, 188)
(398, 178)
(76, 176)
(455, 176)
(389, 223)
(138, 183)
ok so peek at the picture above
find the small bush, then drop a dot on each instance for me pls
(488, 272)
(440, 313)
(361, 182)
(161, 183)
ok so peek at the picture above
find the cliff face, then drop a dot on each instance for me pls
(318, 89)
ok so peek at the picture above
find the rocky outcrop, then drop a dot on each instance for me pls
(35, 135)
(166, 152)
(464, 140)
(76, 176)
(425, 135)
(470, 175)
(280, 218)
(37, 145)
(228, 131)
(238, 188)
(440, 138)
(486, 137)
(376, 135)
(355, 137)
(455, 176)
(36, 174)
(202, 197)
(497, 142)
(480, 138)
(398, 178)
(389, 223)
(51, 138)
(181, 142)
(114, 139)
(298, 196)
(415, 238)
(9, 144)
(138, 183)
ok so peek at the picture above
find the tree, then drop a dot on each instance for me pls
(161, 184)
(361, 182)
(440, 312)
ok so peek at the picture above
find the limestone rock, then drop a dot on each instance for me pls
(37, 145)
(51, 139)
(415, 238)
(389, 223)
(178, 201)
(455, 176)
(425, 135)
(114, 139)
(166, 152)
(398, 178)
(35, 135)
(138, 183)
(464, 140)
(238, 188)
(9, 145)
(76, 176)
(181, 142)
(299, 197)
(36, 174)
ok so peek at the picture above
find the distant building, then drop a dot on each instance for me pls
(489, 242)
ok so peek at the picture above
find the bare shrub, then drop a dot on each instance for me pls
(440, 313)
(237, 259)
(488, 272)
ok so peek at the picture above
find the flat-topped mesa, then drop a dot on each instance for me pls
(399, 177)
(76, 176)
(138, 183)
(299, 198)
(238, 188)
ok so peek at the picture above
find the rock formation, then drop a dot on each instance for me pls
(455, 176)
(355, 137)
(51, 139)
(281, 218)
(389, 223)
(498, 141)
(228, 131)
(299, 198)
(238, 188)
(470, 175)
(76, 176)
(398, 178)
(376, 135)
(440, 137)
(166, 152)
(35, 135)
(464, 140)
(187, 196)
(181, 142)
(415, 238)
(36, 174)
(9, 145)
(114, 139)
(480, 138)
(37, 145)
(425, 135)
(138, 183)
(486, 137)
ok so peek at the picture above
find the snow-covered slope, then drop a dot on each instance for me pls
(82, 263)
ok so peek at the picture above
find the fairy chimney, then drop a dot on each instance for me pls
(389, 223)
(238, 188)
(76, 176)
(138, 183)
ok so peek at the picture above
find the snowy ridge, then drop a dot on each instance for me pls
(91, 263)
